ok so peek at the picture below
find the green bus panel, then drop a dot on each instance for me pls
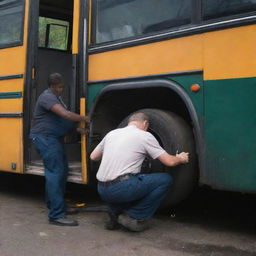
(230, 134)
(185, 81)
(196, 97)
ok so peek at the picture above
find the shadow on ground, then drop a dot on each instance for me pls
(211, 209)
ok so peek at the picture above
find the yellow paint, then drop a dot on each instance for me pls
(160, 57)
(11, 141)
(75, 36)
(12, 61)
(228, 53)
(11, 106)
(11, 85)
(83, 144)
(80, 205)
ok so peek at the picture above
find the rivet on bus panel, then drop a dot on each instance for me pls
(195, 87)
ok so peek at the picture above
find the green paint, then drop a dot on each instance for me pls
(230, 138)
(226, 110)
(196, 97)
(185, 81)
(93, 91)
(10, 95)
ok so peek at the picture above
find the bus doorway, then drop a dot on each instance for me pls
(54, 55)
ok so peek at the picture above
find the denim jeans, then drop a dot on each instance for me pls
(139, 196)
(51, 150)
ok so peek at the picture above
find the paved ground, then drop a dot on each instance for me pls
(211, 223)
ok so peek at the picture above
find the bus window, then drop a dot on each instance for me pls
(221, 8)
(11, 22)
(53, 33)
(119, 19)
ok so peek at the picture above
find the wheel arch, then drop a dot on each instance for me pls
(117, 100)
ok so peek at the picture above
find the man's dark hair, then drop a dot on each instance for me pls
(55, 79)
(138, 116)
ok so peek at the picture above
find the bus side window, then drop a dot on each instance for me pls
(103, 37)
(129, 18)
(11, 22)
(124, 31)
(221, 8)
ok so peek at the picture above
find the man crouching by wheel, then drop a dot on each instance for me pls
(132, 197)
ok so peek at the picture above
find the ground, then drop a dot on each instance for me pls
(210, 223)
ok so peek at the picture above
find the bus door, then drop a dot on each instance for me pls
(79, 50)
(13, 46)
(60, 49)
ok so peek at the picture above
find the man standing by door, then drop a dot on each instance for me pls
(51, 121)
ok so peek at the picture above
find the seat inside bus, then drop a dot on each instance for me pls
(55, 55)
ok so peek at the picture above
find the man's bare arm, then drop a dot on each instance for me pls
(171, 160)
(68, 115)
(96, 155)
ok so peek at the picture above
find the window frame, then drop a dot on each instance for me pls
(21, 39)
(197, 26)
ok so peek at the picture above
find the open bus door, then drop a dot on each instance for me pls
(13, 49)
(70, 61)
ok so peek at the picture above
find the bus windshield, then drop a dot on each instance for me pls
(119, 19)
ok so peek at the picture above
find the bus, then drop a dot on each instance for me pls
(189, 64)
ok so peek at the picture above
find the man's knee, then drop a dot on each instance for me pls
(166, 179)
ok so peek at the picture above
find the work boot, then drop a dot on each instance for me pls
(131, 223)
(112, 223)
(64, 221)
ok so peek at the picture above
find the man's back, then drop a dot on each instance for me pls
(124, 151)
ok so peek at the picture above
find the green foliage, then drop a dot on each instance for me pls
(58, 33)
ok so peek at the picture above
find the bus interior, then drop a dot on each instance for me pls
(54, 54)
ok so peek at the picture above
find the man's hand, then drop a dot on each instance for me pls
(173, 160)
(184, 157)
(86, 119)
(82, 131)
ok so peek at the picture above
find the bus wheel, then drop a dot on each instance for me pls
(173, 134)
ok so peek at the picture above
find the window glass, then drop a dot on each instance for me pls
(11, 21)
(221, 8)
(53, 33)
(118, 19)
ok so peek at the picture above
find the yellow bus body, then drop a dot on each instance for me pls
(228, 53)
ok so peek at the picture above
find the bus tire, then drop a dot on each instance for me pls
(173, 134)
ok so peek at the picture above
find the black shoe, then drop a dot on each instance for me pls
(131, 223)
(112, 223)
(71, 210)
(63, 222)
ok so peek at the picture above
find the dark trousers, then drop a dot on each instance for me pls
(51, 150)
(139, 196)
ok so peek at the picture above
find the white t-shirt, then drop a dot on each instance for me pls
(124, 151)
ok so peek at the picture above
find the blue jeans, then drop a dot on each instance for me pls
(139, 196)
(51, 150)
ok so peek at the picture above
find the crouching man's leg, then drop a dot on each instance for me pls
(153, 189)
(115, 206)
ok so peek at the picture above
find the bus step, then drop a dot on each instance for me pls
(37, 168)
